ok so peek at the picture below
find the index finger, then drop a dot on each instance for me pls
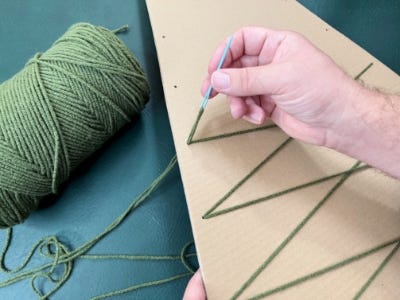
(251, 46)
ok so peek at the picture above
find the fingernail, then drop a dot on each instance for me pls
(235, 113)
(220, 80)
(255, 117)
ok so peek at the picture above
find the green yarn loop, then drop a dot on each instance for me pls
(61, 108)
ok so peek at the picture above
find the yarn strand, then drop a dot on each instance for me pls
(377, 271)
(121, 29)
(293, 233)
(60, 255)
(129, 257)
(194, 127)
(214, 213)
(142, 285)
(247, 177)
(330, 268)
(231, 134)
(132, 288)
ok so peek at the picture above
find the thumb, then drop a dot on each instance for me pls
(195, 288)
(250, 81)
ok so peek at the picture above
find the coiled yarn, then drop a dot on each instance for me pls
(59, 109)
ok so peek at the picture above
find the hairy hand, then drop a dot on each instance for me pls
(281, 75)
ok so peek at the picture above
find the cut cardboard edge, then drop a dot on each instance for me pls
(377, 64)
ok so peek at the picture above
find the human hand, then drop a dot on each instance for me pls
(281, 75)
(195, 288)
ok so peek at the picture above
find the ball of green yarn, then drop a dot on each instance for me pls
(59, 109)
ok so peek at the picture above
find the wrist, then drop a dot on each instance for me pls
(350, 126)
(369, 129)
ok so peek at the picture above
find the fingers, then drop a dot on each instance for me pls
(248, 81)
(255, 114)
(205, 86)
(249, 109)
(247, 73)
(195, 288)
(238, 107)
(249, 42)
(207, 82)
(250, 47)
(212, 66)
(267, 104)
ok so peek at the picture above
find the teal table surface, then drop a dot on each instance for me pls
(106, 184)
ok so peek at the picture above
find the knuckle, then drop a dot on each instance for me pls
(245, 81)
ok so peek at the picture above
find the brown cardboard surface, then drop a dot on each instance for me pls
(361, 214)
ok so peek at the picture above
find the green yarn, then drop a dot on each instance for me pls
(194, 127)
(211, 213)
(294, 232)
(230, 134)
(61, 108)
(60, 259)
(142, 285)
(335, 266)
(247, 177)
(377, 271)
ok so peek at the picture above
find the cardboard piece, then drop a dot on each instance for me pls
(361, 214)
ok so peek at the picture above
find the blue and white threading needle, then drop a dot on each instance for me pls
(209, 91)
(221, 62)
